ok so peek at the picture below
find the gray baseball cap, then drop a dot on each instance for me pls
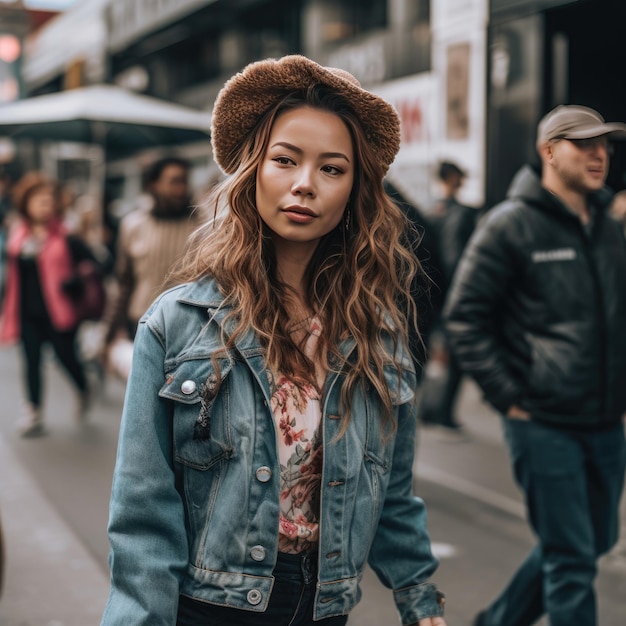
(570, 121)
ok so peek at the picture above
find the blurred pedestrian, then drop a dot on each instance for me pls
(90, 226)
(425, 289)
(452, 221)
(536, 315)
(452, 224)
(242, 493)
(6, 209)
(150, 240)
(5, 194)
(38, 308)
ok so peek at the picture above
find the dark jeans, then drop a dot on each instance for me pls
(291, 602)
(36, 333)
(572, 481)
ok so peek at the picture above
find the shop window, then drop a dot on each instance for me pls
(193, 61)
(348, 19)
(380, 41)
(175, 59)
(420, 39)
(270, 29)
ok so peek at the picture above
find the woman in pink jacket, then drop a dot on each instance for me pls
(37, 307)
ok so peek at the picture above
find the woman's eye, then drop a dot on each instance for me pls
(332, 169)
(283, 160)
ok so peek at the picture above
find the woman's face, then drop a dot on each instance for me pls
(305, 178)
(42, 205)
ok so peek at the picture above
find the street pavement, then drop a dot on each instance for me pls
(54, 499)
(51, 577)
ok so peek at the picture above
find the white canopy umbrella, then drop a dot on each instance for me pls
(120, 121)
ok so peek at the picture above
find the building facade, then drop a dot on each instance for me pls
(186, 50)
(469, 78)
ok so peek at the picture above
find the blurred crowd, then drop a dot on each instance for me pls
(76, 278)
(133, 255)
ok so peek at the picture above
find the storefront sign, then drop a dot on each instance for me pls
(412, 98)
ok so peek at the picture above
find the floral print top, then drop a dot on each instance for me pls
(297, 414)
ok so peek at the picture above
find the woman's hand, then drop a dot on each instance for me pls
(430, 621)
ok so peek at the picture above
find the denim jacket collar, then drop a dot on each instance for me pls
(205, 293)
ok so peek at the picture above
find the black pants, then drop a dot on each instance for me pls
(36, 333)
(291, 602)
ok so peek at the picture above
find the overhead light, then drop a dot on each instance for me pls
(10, 48)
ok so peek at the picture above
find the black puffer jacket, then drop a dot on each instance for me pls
(537, 308)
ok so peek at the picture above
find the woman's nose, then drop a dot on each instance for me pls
(303, 184)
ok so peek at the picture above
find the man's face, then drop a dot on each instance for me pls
(581, 164)
(172, 187)
(453, 182)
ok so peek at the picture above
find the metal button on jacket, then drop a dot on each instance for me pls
(257, 553)
(263, 474)
(188, 387)
(254, 596)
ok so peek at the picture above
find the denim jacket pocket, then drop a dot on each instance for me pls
(200, 413)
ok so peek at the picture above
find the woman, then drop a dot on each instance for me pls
(267, 439)
(38, 306)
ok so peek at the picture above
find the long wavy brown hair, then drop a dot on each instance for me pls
(358, 280)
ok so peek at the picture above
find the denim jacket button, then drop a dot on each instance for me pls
(254, 597)
(188, 387)
(257, 553)
(263, 474)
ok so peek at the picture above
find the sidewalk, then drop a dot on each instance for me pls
(50, 578)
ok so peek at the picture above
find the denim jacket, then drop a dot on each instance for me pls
(195, 499)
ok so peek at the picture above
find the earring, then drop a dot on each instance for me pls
(346, 218)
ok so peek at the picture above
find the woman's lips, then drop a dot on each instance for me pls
(302, 215)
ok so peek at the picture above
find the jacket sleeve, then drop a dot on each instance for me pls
(401, 555)
(476, 301)
(149, 551)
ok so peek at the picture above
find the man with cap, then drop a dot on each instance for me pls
(535, 315)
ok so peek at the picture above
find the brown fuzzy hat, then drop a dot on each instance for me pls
(249, 94)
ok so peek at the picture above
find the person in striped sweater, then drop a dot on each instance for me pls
(151, 239)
